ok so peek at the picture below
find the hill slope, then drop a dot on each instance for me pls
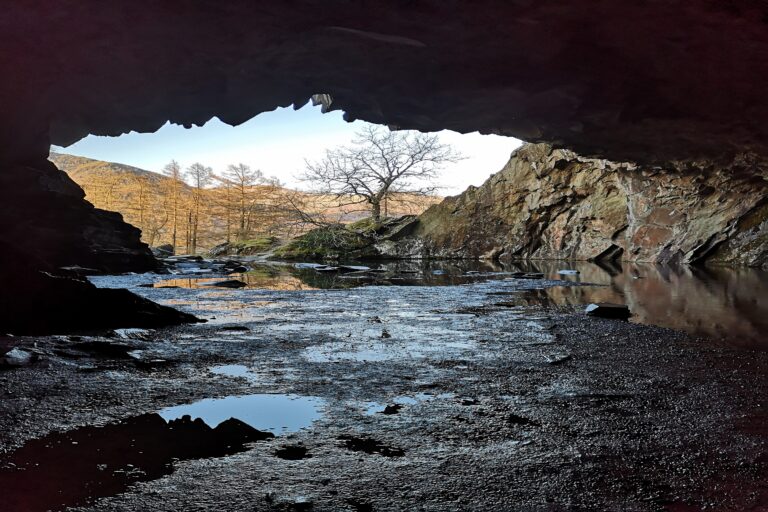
(157, 204)
(80, 168)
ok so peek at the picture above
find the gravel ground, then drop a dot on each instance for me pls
(495, 404)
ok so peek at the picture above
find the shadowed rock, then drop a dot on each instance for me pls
(606, 310)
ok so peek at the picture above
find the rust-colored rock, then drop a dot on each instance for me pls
(553, 204)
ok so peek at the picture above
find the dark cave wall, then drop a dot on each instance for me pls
(43, 213)
(652, 82)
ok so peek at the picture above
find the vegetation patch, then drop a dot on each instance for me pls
(331, 242)
(254, 245)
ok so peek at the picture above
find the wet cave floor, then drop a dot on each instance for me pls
(468, 396)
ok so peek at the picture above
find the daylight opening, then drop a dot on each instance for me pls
(251, 188)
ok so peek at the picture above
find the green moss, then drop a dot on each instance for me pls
(364, 225)
(254, 245)
(327, 243)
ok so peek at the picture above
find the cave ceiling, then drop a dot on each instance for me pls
(649, 81)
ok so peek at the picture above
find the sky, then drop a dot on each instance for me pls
(278, 143)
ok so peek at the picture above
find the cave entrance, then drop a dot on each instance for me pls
(196, 188)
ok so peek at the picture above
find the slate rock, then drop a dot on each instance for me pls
(608, 310)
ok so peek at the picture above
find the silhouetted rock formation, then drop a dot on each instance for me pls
(37, 298)
(65, 469)
(43, 213)
(638, 81)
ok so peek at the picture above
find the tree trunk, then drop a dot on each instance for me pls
(189, 232)
(376, 210)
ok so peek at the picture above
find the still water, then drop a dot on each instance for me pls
(729, 305)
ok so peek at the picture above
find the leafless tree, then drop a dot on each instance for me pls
(200, 177)
(175, 184)
(380, 162)
(240, 180)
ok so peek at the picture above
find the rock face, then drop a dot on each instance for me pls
(45, 224)
(43, 214)
(553, 204)
(39, 299)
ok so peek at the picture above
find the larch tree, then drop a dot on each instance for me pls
(175, 185)
(199, 176)
(378, 163)
(241, 181)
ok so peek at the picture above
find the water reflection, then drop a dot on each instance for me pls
(265, 277)
(720, 303)
(66, 469)
(74, 468)
(726, 304)
(272, 412)
(297, 277)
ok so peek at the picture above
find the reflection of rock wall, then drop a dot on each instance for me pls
(717, 302)
(553, 204)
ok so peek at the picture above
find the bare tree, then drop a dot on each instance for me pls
(175, 184)
(199, 176)
(240, 181)
(379, 163)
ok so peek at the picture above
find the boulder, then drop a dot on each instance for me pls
(607, 310)
(220, 250)
(17, 357)
(163, 251)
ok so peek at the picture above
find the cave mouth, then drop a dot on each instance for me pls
(655, 417)
(132, 174)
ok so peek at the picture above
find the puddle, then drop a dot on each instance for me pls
(235, 370)
(75, 468)
(275, 413)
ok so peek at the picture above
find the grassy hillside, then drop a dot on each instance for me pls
(152, 201)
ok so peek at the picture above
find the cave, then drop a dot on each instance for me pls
(657, 84)
(673, 89)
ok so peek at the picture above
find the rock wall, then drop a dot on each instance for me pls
(648, 81)
(45, 225)
(553, 204)
(43, 213)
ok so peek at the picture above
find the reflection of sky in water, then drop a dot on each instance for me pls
(378, 407)
(273, 412)
(234, 370)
